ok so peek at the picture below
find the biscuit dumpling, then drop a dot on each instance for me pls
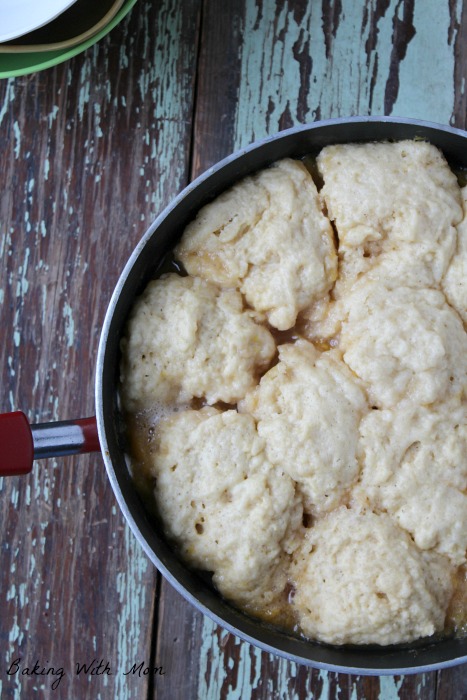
(454, 283)
(414, 467)
(359, 579)
(268, 237)
(404, 343)
(386, 197)
(187, 338)
(308, 408)
(224, 505)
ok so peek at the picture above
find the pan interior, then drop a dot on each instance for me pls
(142, 266)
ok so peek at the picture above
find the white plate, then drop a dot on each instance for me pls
(17, 17)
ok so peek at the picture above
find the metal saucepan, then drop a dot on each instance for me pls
(80, 436)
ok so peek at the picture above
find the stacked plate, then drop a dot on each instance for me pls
(37, 34)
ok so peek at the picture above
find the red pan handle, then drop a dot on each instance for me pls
(22, 443)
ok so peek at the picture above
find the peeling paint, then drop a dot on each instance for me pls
(69, 325)
(84, 90)
(10, 366)
(97, 121)
(132, 595)
(274, 74)
(17, 134)
(426, 89)
(51, 117)
(9, 98)
(389, 687)
(23, 284)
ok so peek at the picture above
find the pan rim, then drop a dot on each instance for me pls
(105, 424)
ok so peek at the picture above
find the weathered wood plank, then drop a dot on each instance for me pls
(452, 683)
(218, 83)
(91, 151)
(457, 39)
(304, 61)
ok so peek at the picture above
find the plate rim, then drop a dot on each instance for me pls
(25, 23)
(49, 59)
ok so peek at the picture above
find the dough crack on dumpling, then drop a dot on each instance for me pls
(228, 509)
(415, 468)
(397, 204)
(187, 338)
(308, 408)
(268, 237)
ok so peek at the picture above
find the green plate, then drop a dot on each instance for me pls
(13, 64)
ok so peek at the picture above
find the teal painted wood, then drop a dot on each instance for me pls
(357, 58)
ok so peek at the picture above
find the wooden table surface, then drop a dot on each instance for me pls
(91, 151)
